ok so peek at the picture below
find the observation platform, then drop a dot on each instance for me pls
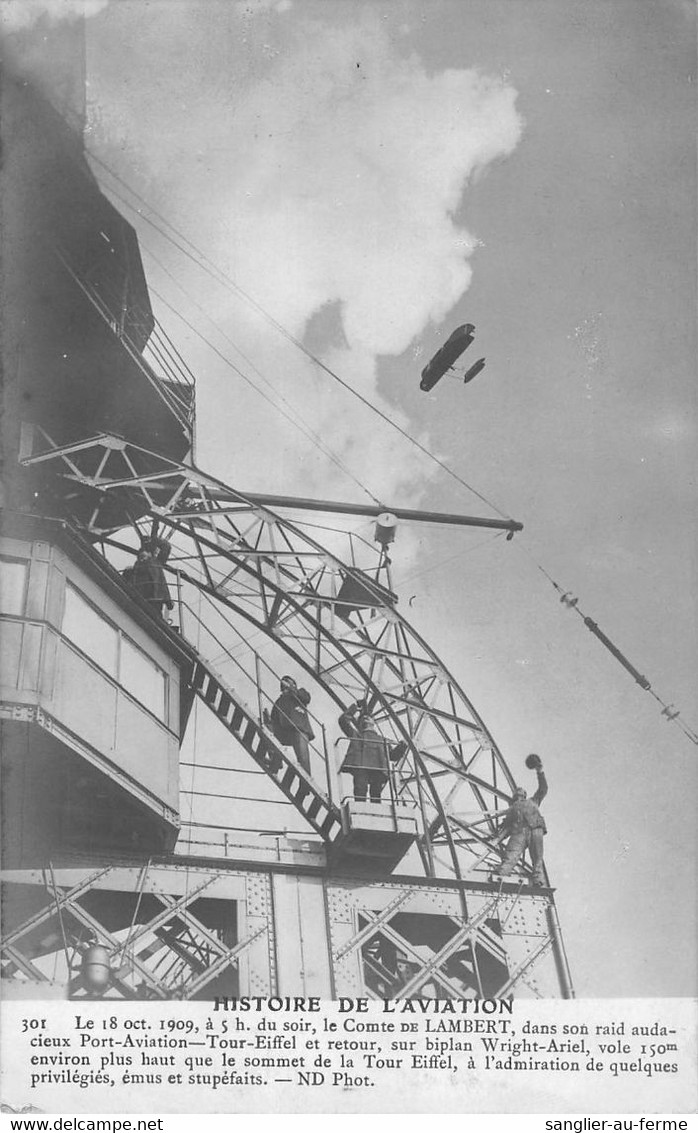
(374, 834)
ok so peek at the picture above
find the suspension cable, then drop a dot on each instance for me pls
(668, 710)
(300, 423)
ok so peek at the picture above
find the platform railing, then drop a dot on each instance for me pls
(159, 359)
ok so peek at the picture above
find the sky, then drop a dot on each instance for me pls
(374, 175)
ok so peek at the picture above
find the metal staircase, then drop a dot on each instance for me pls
(240, 721)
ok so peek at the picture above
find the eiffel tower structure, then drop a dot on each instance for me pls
(162, 837)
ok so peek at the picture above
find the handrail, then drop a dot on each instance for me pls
(147, 317)
(264, 699)
(182, 408)
(399, 784)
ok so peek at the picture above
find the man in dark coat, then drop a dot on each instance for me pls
(367, 755)
(290, 723)
(525, 826)
(148, 577)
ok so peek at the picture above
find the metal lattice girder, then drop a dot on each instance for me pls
(103, 936)
(223, 957)
(506, 940)
(424, 967)
(338, 622)
(525, 967)
(380, 921)
(374, 921)
(464, 933)
(61, 902)
(24, 965)
(226, 959)
(171, 953)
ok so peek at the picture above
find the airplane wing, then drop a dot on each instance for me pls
(445, 357)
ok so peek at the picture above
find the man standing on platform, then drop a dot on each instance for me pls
(148, 577)
(525, 826)
(367, 755)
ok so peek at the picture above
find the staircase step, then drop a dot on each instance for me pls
(199, 677)
(224, 706)
(330, 828)
(288, 777)
(315, 807)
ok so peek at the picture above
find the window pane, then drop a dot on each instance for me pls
(89, 631)
(13, 586)
(142, 678)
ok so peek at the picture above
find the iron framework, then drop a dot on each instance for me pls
(335, 619)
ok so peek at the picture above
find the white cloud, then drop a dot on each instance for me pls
(360, 161)
(15, 15)
(333, 178)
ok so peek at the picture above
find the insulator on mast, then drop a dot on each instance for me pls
(642, 681)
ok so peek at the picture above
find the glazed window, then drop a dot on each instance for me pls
(142, 678)
(14, 574)
(114, 653)
(91, 633)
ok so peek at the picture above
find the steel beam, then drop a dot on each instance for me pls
(302, 503)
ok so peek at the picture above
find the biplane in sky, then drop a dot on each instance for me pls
(444, 358)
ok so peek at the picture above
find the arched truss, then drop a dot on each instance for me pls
(338, 622)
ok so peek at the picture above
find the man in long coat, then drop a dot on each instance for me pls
(148, 577)
(290, 723)
(367, 755)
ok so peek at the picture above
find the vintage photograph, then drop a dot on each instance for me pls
(348, 538)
